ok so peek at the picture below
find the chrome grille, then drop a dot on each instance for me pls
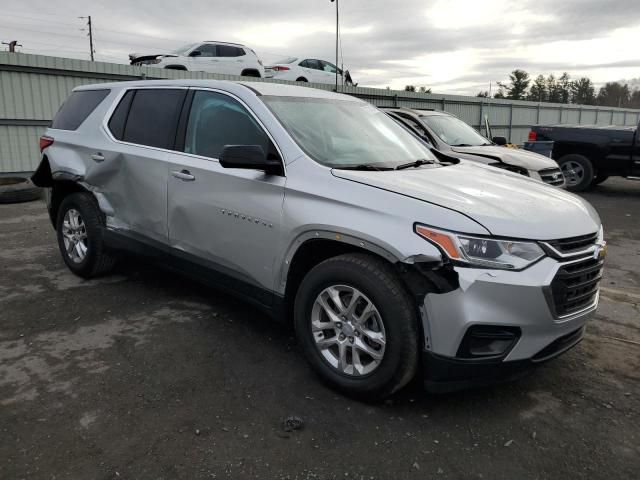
(575, 286)
(552, 176)
(574, 244)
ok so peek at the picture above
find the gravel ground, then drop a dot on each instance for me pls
(144, 375)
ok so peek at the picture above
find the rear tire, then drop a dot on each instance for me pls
(301, 79)
(578, 172)
(382, 322)
(80, 228)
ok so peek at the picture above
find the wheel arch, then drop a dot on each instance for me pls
(309, 249)
(61, 188)
(594, 153)
(250, 72)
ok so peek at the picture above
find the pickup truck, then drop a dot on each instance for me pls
(589, 154)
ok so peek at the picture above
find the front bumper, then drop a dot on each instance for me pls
(445, 374)
(498, 299)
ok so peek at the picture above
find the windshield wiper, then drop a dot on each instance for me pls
(368, 167)
(462, 145)
(415, 164)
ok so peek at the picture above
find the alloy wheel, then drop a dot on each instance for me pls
(74, 233)
(573, 172)
(348, 330)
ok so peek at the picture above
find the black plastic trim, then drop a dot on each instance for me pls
(204, 271)
(445, 374)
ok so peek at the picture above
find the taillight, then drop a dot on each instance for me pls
(279, 68)
(533, 136)
(45, 142)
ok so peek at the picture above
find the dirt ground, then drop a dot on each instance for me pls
(145, 375)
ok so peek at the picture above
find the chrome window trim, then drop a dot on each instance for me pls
(123, 92)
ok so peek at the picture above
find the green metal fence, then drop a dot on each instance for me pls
(32, 87)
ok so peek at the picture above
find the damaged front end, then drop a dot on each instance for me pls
(147, 59)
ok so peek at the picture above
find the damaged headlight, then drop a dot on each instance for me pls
(482, 251)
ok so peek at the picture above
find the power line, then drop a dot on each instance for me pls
(45, 20)
(41, 31)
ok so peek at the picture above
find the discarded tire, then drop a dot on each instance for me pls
(17, 189)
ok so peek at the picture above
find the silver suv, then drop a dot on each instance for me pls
(321, 209)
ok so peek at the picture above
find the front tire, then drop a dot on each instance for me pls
(357, 326)
(79, 228)
(578, 172)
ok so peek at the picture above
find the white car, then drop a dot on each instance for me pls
(304, 70)
(214, 57)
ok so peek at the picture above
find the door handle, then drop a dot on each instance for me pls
(97, 157)
(183, 175)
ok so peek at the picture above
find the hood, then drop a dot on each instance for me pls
(138, 57)
(510, 156)
(505, 203)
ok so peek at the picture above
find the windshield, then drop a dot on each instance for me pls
(184, 49)
(454, 131)
(346, 134)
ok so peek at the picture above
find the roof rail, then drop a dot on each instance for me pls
(226, 43)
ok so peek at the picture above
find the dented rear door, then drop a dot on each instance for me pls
(131, 171)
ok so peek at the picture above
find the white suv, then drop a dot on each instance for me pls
(304, 70)
(214, 57)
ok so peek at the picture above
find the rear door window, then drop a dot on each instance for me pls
(229, 51)
(119, 118)
(153, 117)
(315, 64)
(77, 107)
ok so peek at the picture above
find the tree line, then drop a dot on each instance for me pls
(565, 90)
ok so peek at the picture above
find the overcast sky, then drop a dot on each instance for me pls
(452, 46)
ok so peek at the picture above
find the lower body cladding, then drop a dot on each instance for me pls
(499, 325)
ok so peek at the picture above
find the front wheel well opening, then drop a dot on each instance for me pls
(59, 191)
(308, 255)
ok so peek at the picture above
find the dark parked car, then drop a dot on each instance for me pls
(588, 155)
(450, 135)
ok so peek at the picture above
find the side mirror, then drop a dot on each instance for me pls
(499, 141)
(195, 53)
(250, 157)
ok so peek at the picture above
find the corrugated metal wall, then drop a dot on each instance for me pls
(32, 87)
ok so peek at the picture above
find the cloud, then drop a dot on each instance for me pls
(454, 46)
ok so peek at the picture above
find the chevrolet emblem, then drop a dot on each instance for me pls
(600, 252)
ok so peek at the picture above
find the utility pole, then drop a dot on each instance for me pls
(90, 34)
(337, 26)
(12, 45)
